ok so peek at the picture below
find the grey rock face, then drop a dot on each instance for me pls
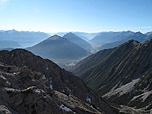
(32, 85)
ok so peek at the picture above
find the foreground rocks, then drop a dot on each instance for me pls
(32, 85)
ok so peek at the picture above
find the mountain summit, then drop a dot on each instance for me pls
(78, 41)
(58, 48)
(32, 85)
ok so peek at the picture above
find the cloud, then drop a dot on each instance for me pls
(36, 10)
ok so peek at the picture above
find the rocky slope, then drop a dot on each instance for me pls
(32, 85)
(120, 74)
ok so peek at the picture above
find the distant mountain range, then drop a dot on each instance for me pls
(86, 36)
(58, 48)
(9, 44)
(83, 35)
(107, 37)
(78, 41)
(135, 36)
(24, 38)
(112, 39)
(122, 75)
(149, 35)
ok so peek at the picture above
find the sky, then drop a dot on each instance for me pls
(76, 15)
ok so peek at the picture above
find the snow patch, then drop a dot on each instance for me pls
(65, 108)
(51, 86)
(47, 68)
(88, 99)
(12, 55)
(37, 91)
(44, 77)
(68, 90)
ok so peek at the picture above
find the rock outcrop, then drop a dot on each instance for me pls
(32, 85)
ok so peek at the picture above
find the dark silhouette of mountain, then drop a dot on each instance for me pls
(9, 44)
(122, 75)
(58, 48)
(78, 41)
(32, 85)
(135, 36)
(24, 38)
(107, 37)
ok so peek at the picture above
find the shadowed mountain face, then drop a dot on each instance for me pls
(78, 41)
(134, 36)
(122, 74)
(32, 85)
(58, 48)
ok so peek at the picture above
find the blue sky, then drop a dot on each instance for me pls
(76, 15)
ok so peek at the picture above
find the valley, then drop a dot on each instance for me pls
(118, 72)
(75, 57)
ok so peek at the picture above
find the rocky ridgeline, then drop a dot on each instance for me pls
(32, 85)
(122, 75)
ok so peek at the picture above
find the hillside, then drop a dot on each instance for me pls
(114, 73)
(78, 41)
(32, 85)
(58, 48)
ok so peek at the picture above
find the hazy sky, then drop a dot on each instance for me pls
(76, 15)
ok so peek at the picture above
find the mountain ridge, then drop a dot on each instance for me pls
(56, 79)
(135, 36)
(113, 73)
(78, 41)
(57, 47)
